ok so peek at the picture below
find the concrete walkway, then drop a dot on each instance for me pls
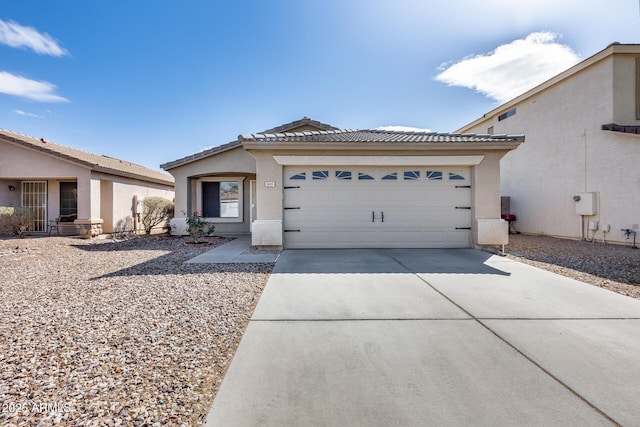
(235, 251)
(431, 337)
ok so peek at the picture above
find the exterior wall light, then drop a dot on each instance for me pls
(12, 188)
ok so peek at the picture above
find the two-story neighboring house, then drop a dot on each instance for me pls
(580, 167)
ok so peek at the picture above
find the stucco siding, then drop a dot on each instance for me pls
(21, 163)
(8, 197)
(119, 205)
(231, 162)
(566, 152)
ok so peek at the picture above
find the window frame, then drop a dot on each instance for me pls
(199, 193)
(62, 209)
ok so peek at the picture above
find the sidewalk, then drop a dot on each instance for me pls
(236, 251)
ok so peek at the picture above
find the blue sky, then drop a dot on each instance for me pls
(151, 82)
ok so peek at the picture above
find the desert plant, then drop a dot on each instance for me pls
(14, 220)
(196, 226)
(155, 211)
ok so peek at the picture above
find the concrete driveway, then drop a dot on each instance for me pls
(431, 337)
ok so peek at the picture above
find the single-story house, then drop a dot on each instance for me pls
(578, 175)
(92, 194)
(307, 184)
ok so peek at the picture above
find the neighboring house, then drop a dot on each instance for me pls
(94, 194)
(583, 141)
(307, 184)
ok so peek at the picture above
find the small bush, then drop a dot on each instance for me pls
(196, 227)
(155, 211)
(14, 220)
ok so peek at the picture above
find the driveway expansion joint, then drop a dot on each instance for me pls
(512, 346)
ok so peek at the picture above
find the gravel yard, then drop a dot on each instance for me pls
(117, 333)
(609, 266)
(123, 333)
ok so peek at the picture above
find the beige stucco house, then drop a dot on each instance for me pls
(580, 167)
(308, 184)
(95, 194)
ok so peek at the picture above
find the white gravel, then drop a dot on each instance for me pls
(117, 333)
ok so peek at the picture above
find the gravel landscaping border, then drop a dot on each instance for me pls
(610, 266)
(109, 333)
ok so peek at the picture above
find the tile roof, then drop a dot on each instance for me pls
(200, 155)
(355, 135)
(305, 121)
(95, 162)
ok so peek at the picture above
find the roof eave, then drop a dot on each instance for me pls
(200, 156)
(403, 146)
(603, 54)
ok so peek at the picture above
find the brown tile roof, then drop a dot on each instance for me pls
(355, 135)
(95, 162)
(305, 121)
(200, 155)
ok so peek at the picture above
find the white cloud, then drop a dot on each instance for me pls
(513, 68)
(41, 91)
(26, 114)
(15, 35)
(403, 129)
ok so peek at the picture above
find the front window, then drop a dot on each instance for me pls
(221, 199)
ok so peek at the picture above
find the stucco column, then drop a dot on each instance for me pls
(267, 228)
(488, 228)
(89, 221)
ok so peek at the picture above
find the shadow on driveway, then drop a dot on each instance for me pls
(327, 261)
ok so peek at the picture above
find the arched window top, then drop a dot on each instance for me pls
(299, 176)
(343, 175)
(364, 176)
(411, 175)
(434, 175)
(321, 175)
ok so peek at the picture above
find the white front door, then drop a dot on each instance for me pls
(384, 207)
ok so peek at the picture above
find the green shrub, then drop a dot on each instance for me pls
(14, 220)
(155, 211)
(196, 227)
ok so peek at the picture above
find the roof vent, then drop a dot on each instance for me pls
(614, 44)
(44, 141)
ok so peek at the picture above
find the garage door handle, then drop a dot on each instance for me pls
(373, 216)
(463, 207)
(382, 214)
(463, 228)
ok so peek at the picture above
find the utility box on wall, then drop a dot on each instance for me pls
(586, 204)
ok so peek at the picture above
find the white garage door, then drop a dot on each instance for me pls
(382, 207)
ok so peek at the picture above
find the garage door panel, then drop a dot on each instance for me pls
(418, 212)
